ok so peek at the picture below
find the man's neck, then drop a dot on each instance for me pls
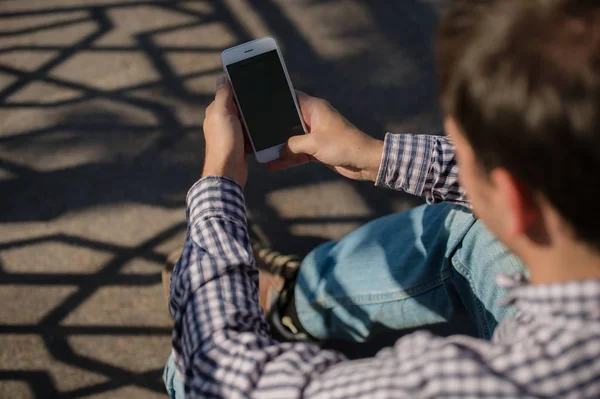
(567, 261)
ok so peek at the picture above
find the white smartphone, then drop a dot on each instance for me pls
(264, 94)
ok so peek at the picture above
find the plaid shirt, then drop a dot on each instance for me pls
(222, 341)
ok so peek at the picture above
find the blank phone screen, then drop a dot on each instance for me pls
(265, 100)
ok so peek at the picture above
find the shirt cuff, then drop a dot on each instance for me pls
(388, 143)
(215, 196)
(406, 162)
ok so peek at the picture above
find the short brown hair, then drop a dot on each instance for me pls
(522, 80)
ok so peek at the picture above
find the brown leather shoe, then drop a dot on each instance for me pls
(273, 267)
(268, 259)
(270, 286)
(276, 280)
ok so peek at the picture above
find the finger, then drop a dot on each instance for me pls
(224, 95)
(305, 102)
(297, 145)
(247, 145)
(281, 164)
(302, 96)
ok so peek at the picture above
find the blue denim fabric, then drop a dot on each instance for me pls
(173, 381)
(406, 270)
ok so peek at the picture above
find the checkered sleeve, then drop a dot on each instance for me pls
(220, 337)
(423, 165)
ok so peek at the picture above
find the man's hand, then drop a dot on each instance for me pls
(333, 141)
(225, 155)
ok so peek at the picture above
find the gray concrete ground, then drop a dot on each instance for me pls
(101, 109)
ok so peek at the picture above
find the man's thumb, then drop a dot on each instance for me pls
(224, 92)
(301, 144)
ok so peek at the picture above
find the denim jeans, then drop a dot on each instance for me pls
(172, 380)
(406, 270)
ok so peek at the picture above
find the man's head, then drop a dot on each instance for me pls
(520, 84)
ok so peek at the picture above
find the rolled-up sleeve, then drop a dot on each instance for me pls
(422, 165)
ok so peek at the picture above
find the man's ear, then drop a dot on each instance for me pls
(519, 203)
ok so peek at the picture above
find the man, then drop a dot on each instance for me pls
(520, 87)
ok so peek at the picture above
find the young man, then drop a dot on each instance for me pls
(520, 83)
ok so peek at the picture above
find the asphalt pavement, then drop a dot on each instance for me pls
(101, 110)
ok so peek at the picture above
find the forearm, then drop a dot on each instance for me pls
(422, 165)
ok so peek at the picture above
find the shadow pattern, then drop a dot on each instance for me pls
(153, 175)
